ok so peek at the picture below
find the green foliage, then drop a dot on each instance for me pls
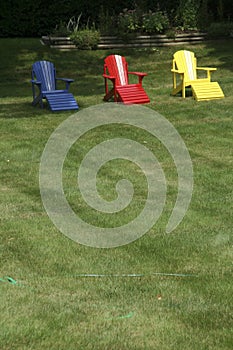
(187, 14)
(28, 18)
(74, 24)
(61, 30)
(85, 39)
(128, 21)
(220, 29)
(107, 24)
(205, 17)
(135, 21)
(155, 22)
(66, 29)
(171, 33)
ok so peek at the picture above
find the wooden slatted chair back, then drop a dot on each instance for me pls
(44, 72)
(117, 66)
(185, 61)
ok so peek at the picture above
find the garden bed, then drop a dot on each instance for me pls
(111, 42)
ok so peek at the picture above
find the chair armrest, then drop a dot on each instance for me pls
(36, 82)
(111, 77)
(206, 68)
(66, 80)
(140, 74)
(177, 71)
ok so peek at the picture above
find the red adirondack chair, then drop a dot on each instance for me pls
(116, 70)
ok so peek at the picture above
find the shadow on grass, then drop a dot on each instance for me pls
(86, 68)
(222, 51)
(19, 109)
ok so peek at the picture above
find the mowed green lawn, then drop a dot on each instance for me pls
(183, 297)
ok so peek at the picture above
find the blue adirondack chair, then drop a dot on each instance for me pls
(44, 86)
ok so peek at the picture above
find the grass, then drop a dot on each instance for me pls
(50, 306)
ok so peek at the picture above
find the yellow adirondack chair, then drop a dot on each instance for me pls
(184, 65)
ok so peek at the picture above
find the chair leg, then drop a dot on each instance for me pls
(183, 91)
(174, 81)
(37, 99)
(41, 103)
(108, 95)
(177, 89)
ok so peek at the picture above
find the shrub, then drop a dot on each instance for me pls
(155, 22)
(134, 21)
(171, 33)
(128, 21)
(187, 15)
(85, 39)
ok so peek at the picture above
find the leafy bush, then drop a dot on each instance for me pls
(61, 30)
(134, 21)
(128, 21)
(155, 22)
(170, 33)
(85, 39)
(187, 15)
